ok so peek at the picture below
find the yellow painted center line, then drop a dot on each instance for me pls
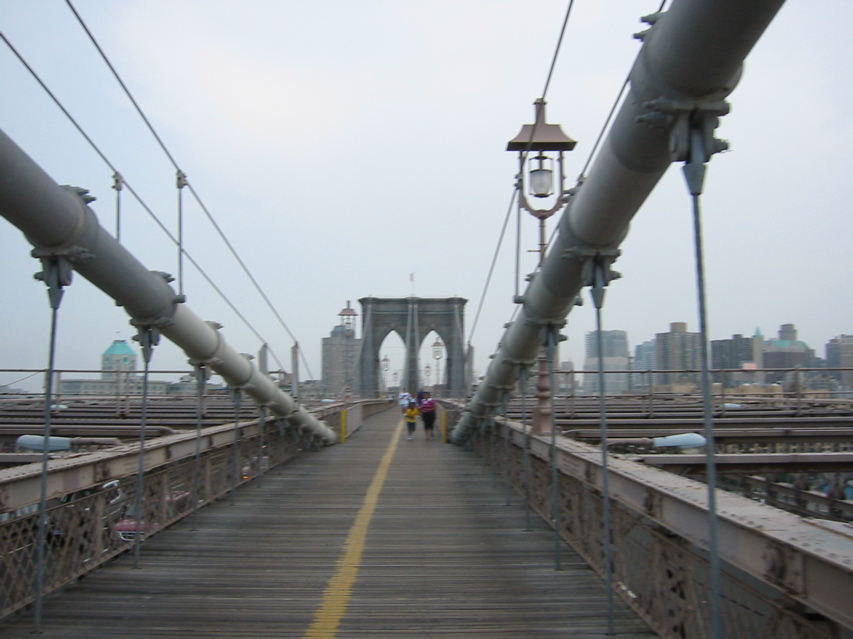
(339, 589)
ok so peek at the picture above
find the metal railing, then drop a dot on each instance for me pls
(783, 576)
(97, 519)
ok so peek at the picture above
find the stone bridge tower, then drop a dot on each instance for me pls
(413, 318)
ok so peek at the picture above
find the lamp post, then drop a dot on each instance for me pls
(536, 174)
(437, 354)
(385, 362)
(427, 371)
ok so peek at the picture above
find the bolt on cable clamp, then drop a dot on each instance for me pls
(590, 257)
(56, 270)
(683, 116)
(80, 192)
(521, 363)
(155, 324)
(69, 254)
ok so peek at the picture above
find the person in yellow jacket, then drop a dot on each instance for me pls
(411, 413)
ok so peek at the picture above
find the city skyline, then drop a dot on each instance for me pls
(339, 169)
(395, 352)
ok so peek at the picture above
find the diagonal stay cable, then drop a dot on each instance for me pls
(515, 190)
(604, 127)
(123, 86)
(130, 188)
(557, 49)
(492, 266)
(192, 190)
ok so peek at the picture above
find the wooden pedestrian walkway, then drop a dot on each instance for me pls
(378, 537)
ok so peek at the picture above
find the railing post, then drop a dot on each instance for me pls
(201, 379)
(235, 479)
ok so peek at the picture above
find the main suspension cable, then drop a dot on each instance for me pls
(129, 187)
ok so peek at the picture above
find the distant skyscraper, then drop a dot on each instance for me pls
(341, 351)
(118, 376)
(614, 345)
(678, 351)
(739, 352)
(118, 357)
(786, 352)
(839, 354)
(645, 359)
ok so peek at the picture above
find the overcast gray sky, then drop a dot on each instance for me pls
(343, 145)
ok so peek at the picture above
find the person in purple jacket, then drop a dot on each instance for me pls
(428, 414)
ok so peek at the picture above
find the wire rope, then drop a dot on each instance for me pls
(123, 86)
(602, 131)
(192, 190)
(492, 266)
(557, 49)
(516, 189)
(129, 187)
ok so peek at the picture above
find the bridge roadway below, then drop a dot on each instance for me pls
(364, 539)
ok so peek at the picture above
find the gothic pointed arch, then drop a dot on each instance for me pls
(413, 318)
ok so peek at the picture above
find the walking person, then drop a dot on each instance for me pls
(428, 414)
(405, 398)
(411, 414)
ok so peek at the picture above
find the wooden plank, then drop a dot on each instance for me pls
(445, 557)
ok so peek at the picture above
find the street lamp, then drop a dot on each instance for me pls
(385, 362)
(427, 371)
(437, 354)
(540, 139)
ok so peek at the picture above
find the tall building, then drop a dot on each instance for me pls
(118, 357)
(839, 354)
(645, 359)
(786, 352)
(678, 351)
(739, 352)
(614, 346)
(567, 381)
(118, 375)
(341, 351)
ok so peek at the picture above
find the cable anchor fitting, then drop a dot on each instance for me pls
(56, 273)
(551, 335)
(148, 336)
